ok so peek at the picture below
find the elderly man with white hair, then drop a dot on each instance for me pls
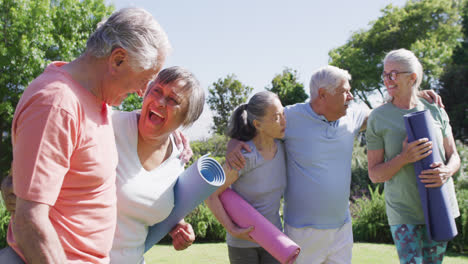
(64, 153)
(319, 144)
(319, 141)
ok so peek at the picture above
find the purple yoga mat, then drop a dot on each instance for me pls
(265, 233)
(440, 223)
(193, 186)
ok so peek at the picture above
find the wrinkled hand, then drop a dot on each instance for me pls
(242, 233)
(9, 197)
(416, 150)
(183, 143)
(182, 236)
(432, 97)
(234, 158)
(435, 177)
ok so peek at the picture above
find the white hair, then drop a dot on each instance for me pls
(329, 78)
(408, 61)
(134, 30)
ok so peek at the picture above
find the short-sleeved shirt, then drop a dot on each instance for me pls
(386, 130)
(144, 198)
(261, 183)
(64, 156)
(319, 156)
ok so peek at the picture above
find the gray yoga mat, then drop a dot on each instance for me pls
(193, 186)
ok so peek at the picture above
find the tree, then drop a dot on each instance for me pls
(34, 33)
(132, 102)
(431, 29)
(224, 96)
(288, 89)
(454, 84)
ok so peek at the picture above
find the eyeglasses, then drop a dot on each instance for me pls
(391, 75)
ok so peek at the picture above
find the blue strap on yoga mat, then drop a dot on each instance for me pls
(440, 223)
(193, 186)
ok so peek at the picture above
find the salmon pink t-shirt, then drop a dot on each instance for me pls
(64, 155)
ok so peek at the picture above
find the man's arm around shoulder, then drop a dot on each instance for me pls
(35, 235)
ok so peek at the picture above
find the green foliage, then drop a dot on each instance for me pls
(461, 176)
(460, 243)
(205, 225)
(215, 145)
(370, 219)
(287, 87)
(359, 175)
(4, 220)
(132, 102)
(33, 34)
(224, 96)
(431, 29)
(454, 82)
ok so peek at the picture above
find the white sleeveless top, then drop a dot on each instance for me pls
(144, 198)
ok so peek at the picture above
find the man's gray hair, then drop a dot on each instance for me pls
(409, 63)
(328, 77)
(196, 99)
(134, 30)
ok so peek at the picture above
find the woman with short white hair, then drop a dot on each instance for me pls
(390, 158)
(150, 163)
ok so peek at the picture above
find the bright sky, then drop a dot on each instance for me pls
(255, 39)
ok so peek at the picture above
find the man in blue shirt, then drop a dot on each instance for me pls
(319, 144)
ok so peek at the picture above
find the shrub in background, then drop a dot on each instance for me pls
(359, 175)
(205, 225)
(4, 220)
(460, 242)
(370, 219)
(215, 145)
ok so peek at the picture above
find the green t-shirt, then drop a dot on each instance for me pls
(386, 130)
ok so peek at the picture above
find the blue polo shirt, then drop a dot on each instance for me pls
(319, 166)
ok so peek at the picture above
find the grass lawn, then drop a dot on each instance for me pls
(216, 253)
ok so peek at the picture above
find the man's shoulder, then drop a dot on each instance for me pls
(295, 106)
(295, 109)
(52, 90)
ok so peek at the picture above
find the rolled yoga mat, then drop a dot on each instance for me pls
(440, 223)
(193, 186)
(265, 233)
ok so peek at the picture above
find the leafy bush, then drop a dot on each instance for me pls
(370, 219)
(460, 243)
(215, 145)
(359, 175)
(4, 220)
(205, 225)
(461, 177)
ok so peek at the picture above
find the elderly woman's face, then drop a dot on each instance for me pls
(397, 81)
(164, 109)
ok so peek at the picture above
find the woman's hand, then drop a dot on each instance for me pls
(435, 177)
(183, 143)
(242, 233)
(416, 150)
(182, 235)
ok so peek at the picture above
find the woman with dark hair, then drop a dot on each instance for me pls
(262, 181)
